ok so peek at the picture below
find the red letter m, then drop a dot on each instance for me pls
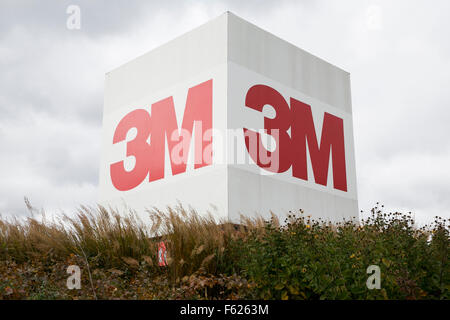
(332, 140)
(164, 126)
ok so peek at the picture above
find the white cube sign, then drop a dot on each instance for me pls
(231, 120)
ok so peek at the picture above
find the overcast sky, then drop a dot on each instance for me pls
(52, 78)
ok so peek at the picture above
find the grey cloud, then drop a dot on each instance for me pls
(98, 17)
(51, 88)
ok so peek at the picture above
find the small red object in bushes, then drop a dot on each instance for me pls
(162, 254)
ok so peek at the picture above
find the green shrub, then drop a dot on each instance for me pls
(305, 259)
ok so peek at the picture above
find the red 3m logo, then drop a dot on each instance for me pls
(161, 126)
(291, 149)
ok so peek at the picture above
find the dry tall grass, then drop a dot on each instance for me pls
(110, 239)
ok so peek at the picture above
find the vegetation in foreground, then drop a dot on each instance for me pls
(299, 259)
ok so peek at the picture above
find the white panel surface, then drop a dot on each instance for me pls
(236, 55)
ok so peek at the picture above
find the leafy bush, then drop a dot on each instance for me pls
(305, 259)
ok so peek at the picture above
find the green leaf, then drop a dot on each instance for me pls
(279, 286)
(293, 290)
